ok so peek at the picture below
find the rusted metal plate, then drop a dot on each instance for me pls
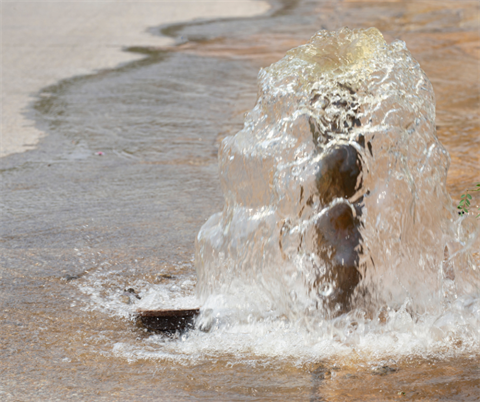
(168, 320)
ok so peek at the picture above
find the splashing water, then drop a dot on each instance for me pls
(336, 215)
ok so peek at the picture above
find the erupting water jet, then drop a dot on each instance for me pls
(335, 193)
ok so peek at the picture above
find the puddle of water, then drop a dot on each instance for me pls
(79, 228)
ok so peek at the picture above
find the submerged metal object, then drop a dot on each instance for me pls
(168, 320)
(328, 186)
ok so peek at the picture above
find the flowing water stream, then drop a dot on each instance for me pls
(78, 227)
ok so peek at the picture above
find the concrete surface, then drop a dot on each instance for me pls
(44, 42)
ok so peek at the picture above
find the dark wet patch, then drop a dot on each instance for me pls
(384, 370)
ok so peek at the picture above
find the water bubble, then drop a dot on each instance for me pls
(326, 289)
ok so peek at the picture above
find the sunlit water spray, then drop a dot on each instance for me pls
(338, 234)
(336, 218)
